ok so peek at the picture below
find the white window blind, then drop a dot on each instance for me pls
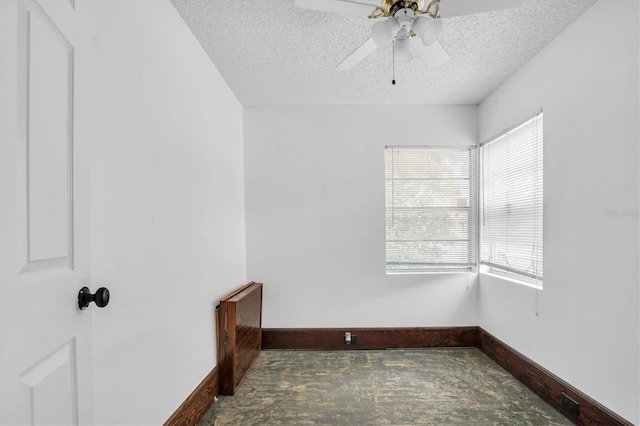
(511, 201)
(431, 208)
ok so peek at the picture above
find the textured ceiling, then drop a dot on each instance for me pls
(273, 53)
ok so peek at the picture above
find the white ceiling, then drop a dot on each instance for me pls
(273, 53)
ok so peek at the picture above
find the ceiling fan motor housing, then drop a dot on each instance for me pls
(405, 20)
(391, 7)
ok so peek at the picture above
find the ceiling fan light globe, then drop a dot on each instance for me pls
(420, 24)
(432, 31)
(427, 29)
(383, 32)
(402, 52)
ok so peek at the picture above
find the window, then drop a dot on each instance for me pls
(431, 208)
(511, 203)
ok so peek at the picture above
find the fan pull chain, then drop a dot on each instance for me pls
(393, 61)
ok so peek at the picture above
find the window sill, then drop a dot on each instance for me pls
(428, 272)
(512, 279)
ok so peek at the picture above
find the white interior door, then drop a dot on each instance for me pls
(45, 342)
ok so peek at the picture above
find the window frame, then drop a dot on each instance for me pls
(500, 270)
(472, 218)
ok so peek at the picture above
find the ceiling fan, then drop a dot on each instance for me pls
(409, 25)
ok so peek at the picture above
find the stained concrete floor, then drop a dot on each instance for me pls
(459, 386)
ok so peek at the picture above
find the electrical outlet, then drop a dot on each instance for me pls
(572, 406)
(349, 338)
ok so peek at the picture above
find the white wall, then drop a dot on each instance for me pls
(167, 207)
(586, 81)
(315, 216)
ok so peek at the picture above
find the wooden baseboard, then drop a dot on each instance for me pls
(368, 338)
(197, 404)
(547, 385)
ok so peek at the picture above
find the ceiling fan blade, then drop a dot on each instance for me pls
(450, 8)
(433, 55)
(345, 7)
(364, 50)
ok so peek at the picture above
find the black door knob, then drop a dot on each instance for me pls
(101, 297)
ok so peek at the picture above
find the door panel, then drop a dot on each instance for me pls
(45, 340)
(46, 66)
(50, 387)
(45, 114)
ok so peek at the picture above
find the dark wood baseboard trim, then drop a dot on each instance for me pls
(547, 385)
(197, 404)
(368, 338)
